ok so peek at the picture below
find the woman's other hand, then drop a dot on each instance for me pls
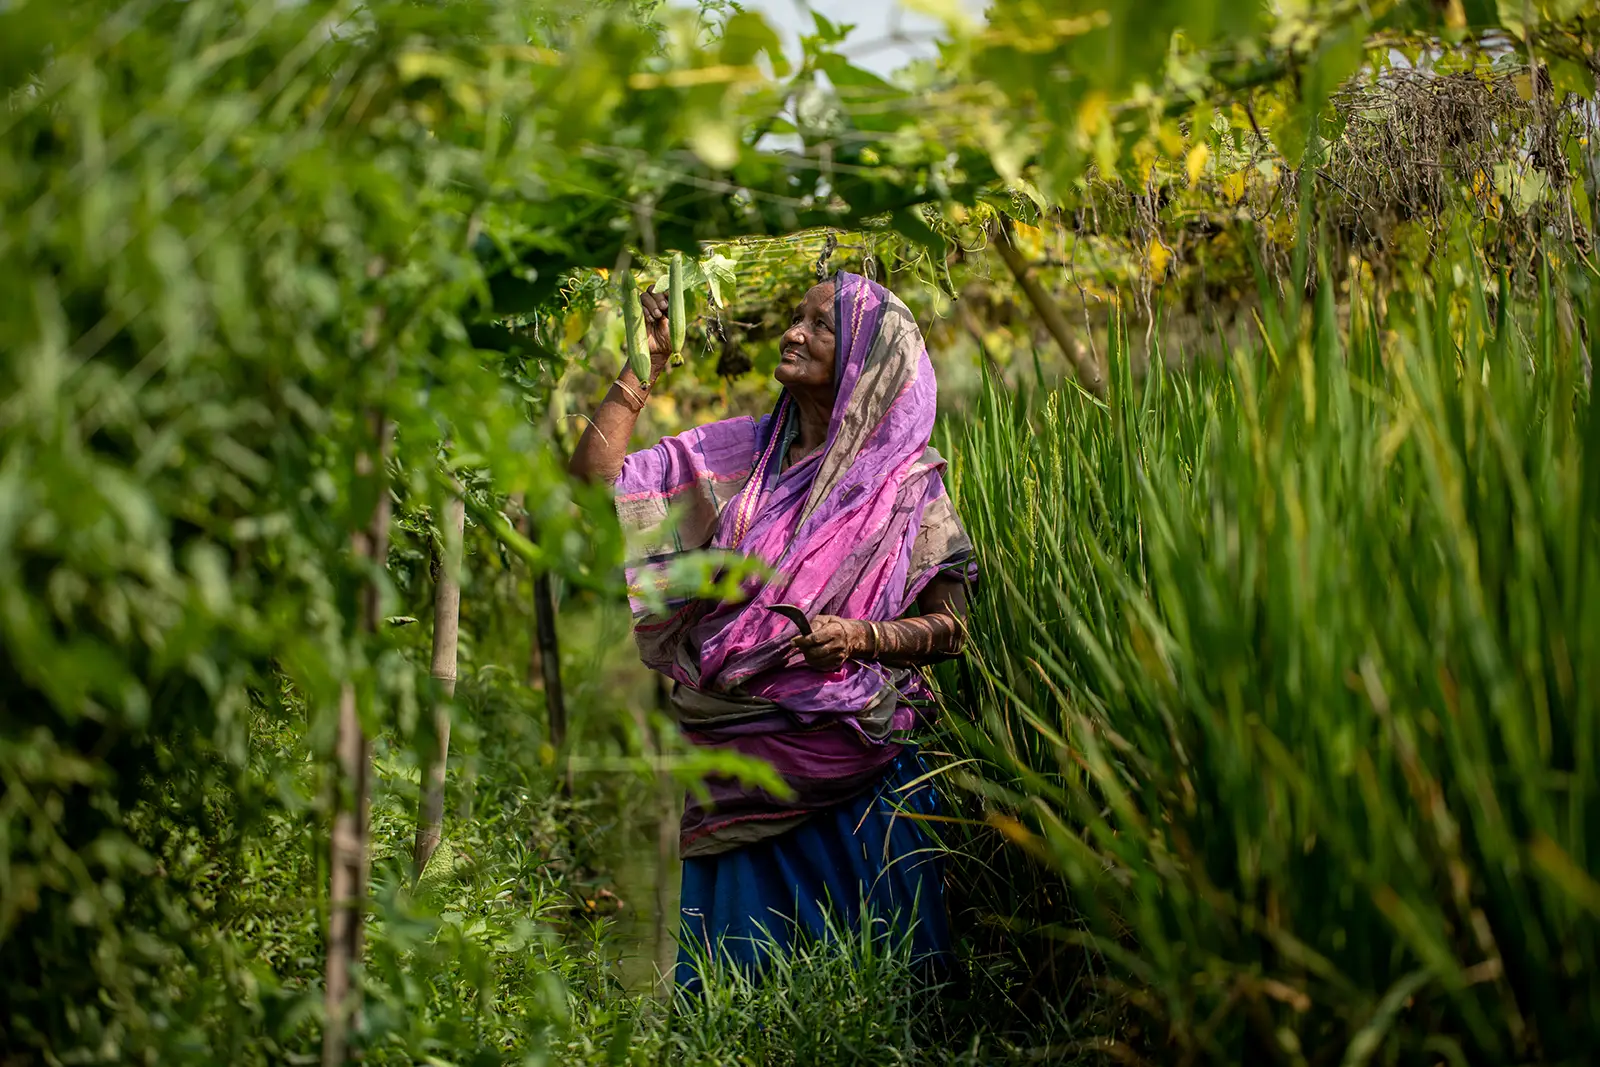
(657, 328)
(832, 640)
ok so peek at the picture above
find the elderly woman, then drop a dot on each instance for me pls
(839, 494)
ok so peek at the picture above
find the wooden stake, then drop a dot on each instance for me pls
(1045, 307)
(352, 790)
(668, 819)
(544, 654)
(524, 523)
(446, 634)
(544, 621)
(535, 664)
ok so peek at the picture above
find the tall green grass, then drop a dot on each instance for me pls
(851, 996)
(1290, 666)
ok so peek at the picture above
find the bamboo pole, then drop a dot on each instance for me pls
(446, 635)
(667, 823)
(1045, 306)
(1591, 160)
(352, 789)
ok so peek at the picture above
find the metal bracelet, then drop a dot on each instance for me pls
(640, 400)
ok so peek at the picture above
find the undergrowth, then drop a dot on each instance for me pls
(506, 950)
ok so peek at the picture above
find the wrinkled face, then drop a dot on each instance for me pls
(806, 352)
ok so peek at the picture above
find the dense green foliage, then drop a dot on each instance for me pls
(1289, 668)
(231, 242)
(266, 266)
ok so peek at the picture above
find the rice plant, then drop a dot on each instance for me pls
(851, 996)
(1289, 665)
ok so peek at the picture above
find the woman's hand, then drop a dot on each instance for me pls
(603, 446)
(832, 640)
(658, 330)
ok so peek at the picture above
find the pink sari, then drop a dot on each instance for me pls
(856, 529)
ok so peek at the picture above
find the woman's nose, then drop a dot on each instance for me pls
(795, 334)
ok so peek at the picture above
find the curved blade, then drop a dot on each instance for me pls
(794, 615)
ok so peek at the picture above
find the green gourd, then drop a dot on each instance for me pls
(675, 313)
(634, 341)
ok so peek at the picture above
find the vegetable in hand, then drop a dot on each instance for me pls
(634, 341)
(675, 311)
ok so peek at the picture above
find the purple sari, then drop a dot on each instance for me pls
(856, 529)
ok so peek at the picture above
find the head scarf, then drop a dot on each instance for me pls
(856, 529)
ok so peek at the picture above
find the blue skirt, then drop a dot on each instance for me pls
(748, 901)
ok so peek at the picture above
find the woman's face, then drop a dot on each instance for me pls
(807, 350)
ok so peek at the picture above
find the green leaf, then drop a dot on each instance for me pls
(718, 270)
(746, 35)
(829, 32)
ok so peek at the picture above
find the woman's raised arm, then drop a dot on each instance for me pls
(604, 444)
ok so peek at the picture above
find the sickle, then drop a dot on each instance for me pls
(794, 615)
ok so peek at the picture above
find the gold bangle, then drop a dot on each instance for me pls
(873, 628)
